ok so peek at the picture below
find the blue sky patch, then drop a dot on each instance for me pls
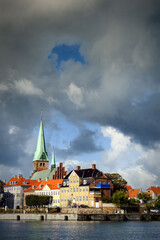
(65, 52)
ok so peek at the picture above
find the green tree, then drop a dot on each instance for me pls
(157, 202)
(32, 200)
(120, 198)
(35, 200)
(145, 197)
(117, 180)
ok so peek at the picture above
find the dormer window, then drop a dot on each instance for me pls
(84, 181)
(64, 183)
(33, 187)
(67, 183)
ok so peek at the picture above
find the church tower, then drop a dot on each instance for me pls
(40, 160)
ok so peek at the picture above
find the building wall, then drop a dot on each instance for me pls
(74, 193)
(40, 166)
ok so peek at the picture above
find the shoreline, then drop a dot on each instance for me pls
(80, 217)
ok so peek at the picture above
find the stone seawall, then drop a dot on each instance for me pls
(82, 217)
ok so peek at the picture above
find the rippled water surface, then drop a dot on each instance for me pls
(48, 230)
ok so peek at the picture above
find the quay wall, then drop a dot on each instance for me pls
(81, 217)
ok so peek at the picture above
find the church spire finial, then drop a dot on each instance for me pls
(41, 115)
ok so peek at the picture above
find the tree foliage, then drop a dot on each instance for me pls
(35, 200)
(120, 198)
(145, 197)
(118, 182)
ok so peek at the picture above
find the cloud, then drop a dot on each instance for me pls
(75, 95)
(138, 165)
(26, 87)
(117, 87)
(84, 143)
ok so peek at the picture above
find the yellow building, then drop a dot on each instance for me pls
(84, 187)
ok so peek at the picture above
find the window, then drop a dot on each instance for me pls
(86, 198)
(103, 182)
(40, 164)
(86, 189)
(67, 183)
(77, 189)
(62, 199)
(65, 190)
(80, 198)
(84, 181)
(73, 189)
(83, 189)
(80, 189)
(64, 183)
(77, 198)
(93, 182)
(83, 198)
(70, 189)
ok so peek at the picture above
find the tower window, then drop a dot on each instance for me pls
(43, 164)
(40, 164)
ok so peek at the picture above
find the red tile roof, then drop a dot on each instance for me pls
(156, 190)
(132, 193)
(19, 181)
(52, 184)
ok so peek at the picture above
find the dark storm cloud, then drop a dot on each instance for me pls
(120, 42)
(84, 143)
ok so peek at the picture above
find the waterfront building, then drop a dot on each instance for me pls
(132, 193)
(46, 188)
(154, 192)
(13, 191)
(85, 186)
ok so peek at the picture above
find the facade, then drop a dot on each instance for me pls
(46, 188)
(85, 186)
(13, 191)
(154, 192)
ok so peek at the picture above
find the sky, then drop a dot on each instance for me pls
(93, 68)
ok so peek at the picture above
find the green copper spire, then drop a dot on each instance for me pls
(40, 153)
(53, 163)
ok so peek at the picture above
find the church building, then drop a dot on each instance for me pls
(41, 170)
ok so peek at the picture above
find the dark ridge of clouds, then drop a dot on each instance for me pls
(84, 143)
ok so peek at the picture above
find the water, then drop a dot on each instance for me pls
(39, 230)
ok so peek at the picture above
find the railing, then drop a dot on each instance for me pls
(103, 185)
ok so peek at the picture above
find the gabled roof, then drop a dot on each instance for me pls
(132, 193)
(19, 181)
(156, 190)
(87, 173)
(52, 184)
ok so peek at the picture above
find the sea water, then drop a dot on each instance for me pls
(68, 230)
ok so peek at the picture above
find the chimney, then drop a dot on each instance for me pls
(19, 175)
(47, 178)
(4, 181)
(39, 179)
(93, 166)
(78, 168)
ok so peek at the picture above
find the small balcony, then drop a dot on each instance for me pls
(99, 185)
